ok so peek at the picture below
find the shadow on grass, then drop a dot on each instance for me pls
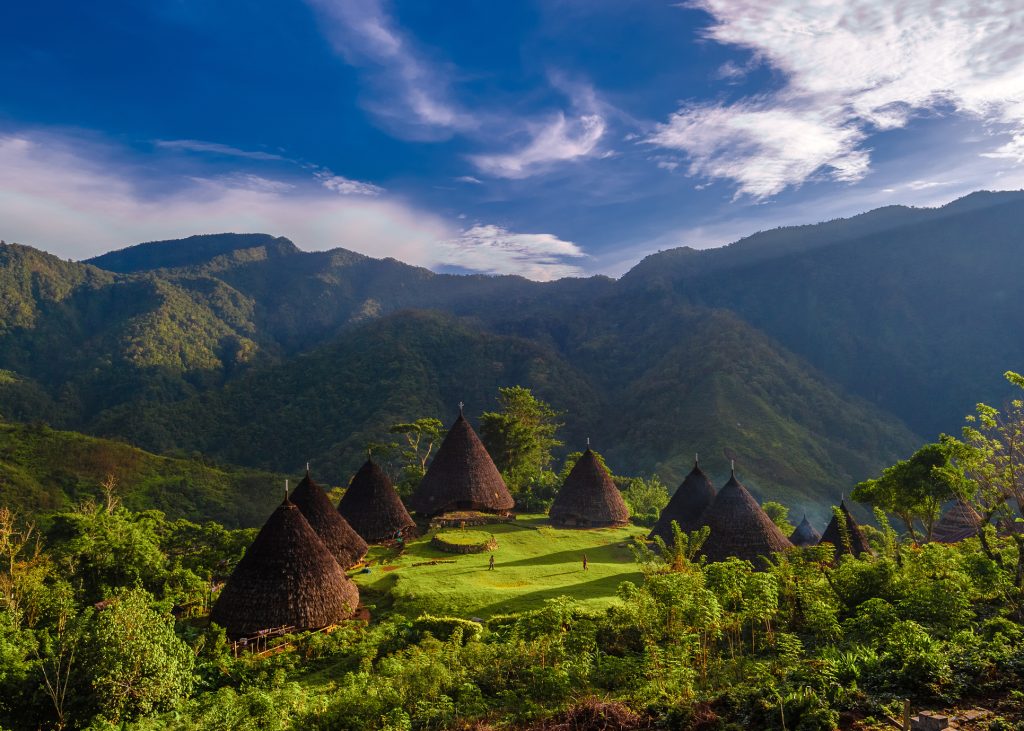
(598, 588)
(615, 554)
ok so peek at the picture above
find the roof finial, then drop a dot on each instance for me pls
(369, 453)
(696, 459)
(307, 469)
(732, 466)
(461, 406)
(588, 442)
(286, 489)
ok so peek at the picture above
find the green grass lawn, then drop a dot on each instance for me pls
(533, 562)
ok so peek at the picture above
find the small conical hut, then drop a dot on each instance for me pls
(372, 506)
(958, 523)
(805, 534)
(589, 497)
(287, 578)
(341, 540)
(687, 505)
(739, 526)
(462, 476)
(832, 534)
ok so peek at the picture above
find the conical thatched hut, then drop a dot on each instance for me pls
(805, 534)
(858, 543)
(287, 578)
(687, 505)
(958, 523)
(739, 526)
(589, 498)
(372, 506)
(462, 476)
(344, 543)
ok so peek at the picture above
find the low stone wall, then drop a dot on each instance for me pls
(466, 520)
(442, 545)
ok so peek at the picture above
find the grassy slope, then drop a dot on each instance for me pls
(42, 470)
(533, 562)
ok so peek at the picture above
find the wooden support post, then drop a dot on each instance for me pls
(906, 714)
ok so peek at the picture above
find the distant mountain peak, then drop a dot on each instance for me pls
(191, 251)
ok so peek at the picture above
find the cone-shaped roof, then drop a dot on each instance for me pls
(805, 534)
(739, 526)
(958, 523)
(372, 506)
(287, 578)
(858, 543)
(589, 497)
(462, 476)
(344, 543)
(687, 505)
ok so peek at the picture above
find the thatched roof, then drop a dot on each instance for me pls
(344, 543)
(287, 578)
(858, 543)
(462, 476)
(805, 534)
(687, 505)
(372, 506)
(958, 523)
(589, 497)
(739, 526)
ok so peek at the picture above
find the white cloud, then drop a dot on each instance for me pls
(78, 199)
(346, 186)
(496, 250)
(468, 179)
(851, 68)
(558, 140)
(215, 148)
(410, 92)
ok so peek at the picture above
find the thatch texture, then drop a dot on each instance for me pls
(805, 534)
(740, 527)
(589, 498)
(341, 540)
(287, 578)
(372, 506)
(462, 476)
(858, 543)
(687, 505)
(958, 523)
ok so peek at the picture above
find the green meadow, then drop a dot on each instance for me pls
(533, 562)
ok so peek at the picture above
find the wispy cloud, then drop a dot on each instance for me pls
(409, 92)
(468, 179)
(216, 149)
(851, 69)
(496, 250)
(558, 140)
(76, 198)
(346, 186)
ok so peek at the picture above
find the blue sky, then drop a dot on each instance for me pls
(549, 138)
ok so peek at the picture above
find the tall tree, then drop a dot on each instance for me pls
(520, 437)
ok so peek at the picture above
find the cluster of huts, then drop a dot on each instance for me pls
(293, 575)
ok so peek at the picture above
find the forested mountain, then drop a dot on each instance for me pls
(810, 354)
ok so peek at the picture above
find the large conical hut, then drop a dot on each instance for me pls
(740, 527)
(832, 534)
(589, 497)
(341, 540)
(287, 578)
(372, 506)
(462, 476)
(687, 505)
(958, 523)
(805, 534)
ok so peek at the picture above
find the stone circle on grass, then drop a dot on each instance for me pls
(463, 541)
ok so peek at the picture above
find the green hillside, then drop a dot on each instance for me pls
(43, 470)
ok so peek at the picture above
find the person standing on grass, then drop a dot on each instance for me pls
(490, 566)
(584, 562)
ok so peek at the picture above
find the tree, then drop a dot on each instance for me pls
(913, 489)
(779, 514)
(989, 471)
(135, 661)
(520, 437)
(407, 462)
(645, 498)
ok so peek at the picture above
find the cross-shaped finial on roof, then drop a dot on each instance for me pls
(461, 406)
